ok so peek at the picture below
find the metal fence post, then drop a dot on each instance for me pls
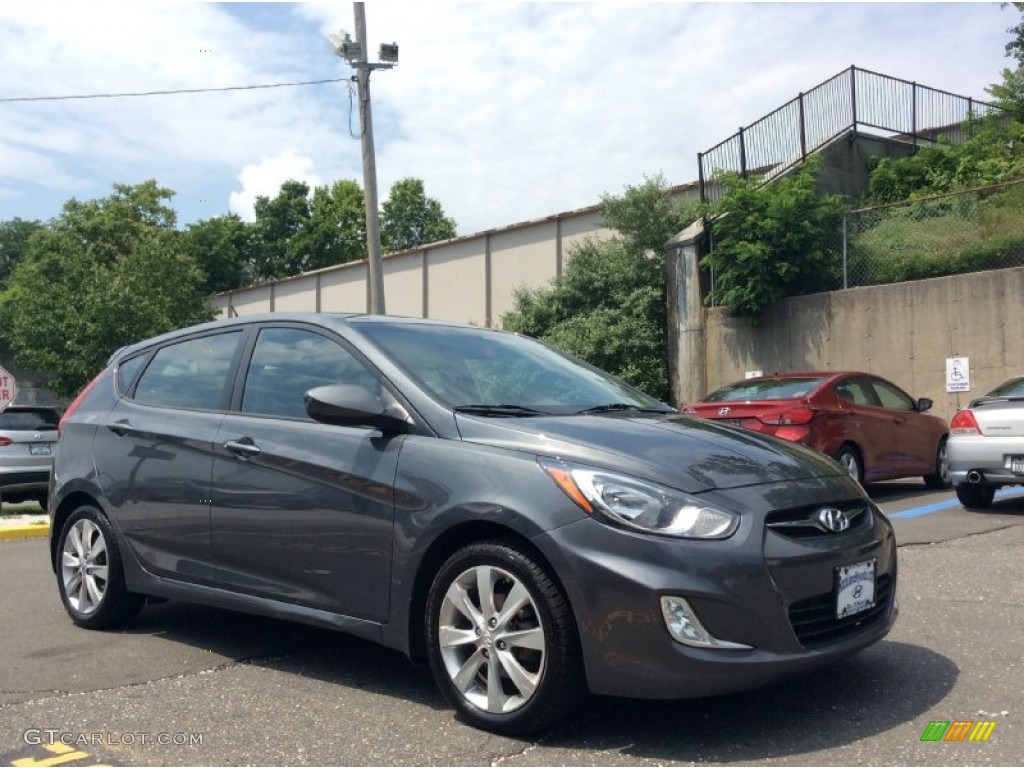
(700, 176)
(845, 280)
(913, 111)
(803, 131)
(743, 155)
(853, 95)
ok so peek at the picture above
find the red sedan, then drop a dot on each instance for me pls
(869, 425)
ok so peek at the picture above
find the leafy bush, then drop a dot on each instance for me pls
(773, 241)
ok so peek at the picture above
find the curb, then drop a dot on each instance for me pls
(34, 531)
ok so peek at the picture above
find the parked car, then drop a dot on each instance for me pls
(527, 524)
(869, 425)
(28, 435)
(986, 444)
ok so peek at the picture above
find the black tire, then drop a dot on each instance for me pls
(553, 685)
(941, 478)
(90, 575)
(851, 460)
(976, 495)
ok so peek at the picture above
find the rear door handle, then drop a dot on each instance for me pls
(121, 428)
(243, 447)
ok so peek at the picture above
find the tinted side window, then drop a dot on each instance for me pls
(189, 374)
(892, 397)
(288, 362)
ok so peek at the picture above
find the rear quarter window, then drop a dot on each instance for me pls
(189, 374)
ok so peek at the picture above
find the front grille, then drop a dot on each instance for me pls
(801, 523)
(814, 618)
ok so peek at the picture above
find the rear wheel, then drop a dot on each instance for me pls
(90, 575)
(941, 477)
(976, 495)
(502, 641)
(849, 458)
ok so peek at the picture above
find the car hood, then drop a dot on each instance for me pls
(692, 455)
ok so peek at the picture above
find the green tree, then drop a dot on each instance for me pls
(608, 307)
(773, 241)
(103, 274)
(336, 230)
(409, 218)
(222, 246)
(14, 237)
(1010, 92)
(1015, 48)
(279, 251)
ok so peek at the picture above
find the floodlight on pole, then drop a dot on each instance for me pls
(354, 52)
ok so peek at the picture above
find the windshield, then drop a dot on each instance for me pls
(765, 389)
(476, 367)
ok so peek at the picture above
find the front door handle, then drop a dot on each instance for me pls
(243, 447)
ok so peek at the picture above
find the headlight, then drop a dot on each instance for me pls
(641, 505)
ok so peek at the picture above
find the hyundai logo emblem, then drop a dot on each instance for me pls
(832, 519)
(724, 411)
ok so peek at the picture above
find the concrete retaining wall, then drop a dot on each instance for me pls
(903, 332)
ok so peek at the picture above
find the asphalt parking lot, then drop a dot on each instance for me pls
(196, 686)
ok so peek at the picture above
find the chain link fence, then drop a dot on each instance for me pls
(940, 235)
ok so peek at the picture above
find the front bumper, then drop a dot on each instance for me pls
(758, 588)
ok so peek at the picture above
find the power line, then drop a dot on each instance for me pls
(170, 92)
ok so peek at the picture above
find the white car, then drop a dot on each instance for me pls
(28, 437)
(986, 444)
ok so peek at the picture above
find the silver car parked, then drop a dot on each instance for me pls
(28, 436)
(986, 444)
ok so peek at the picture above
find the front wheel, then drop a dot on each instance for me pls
(502, 641)
(976, 495)
(90, 575)
(942, 477)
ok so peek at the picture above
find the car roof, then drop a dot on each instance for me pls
(326, 319)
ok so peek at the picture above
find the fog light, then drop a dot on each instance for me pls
(685, 627)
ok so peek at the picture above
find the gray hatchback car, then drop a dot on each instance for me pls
(530, 526)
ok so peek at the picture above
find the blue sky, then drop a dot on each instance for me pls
(508, 112)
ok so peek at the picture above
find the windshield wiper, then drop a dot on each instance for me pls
(610, 407)
(504, 409)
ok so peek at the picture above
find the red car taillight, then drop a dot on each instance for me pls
(793, 416)
(5, 441)
(964, 423)
(75, 403)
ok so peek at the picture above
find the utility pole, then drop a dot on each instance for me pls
(354, 52)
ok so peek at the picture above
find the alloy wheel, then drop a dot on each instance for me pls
(491, 639)
(85, 566)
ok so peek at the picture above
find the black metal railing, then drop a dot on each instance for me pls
(851, 100)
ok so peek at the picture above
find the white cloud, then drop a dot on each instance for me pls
(265, 178)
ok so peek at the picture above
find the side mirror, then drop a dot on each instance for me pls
(353, 406)
(924, 404)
